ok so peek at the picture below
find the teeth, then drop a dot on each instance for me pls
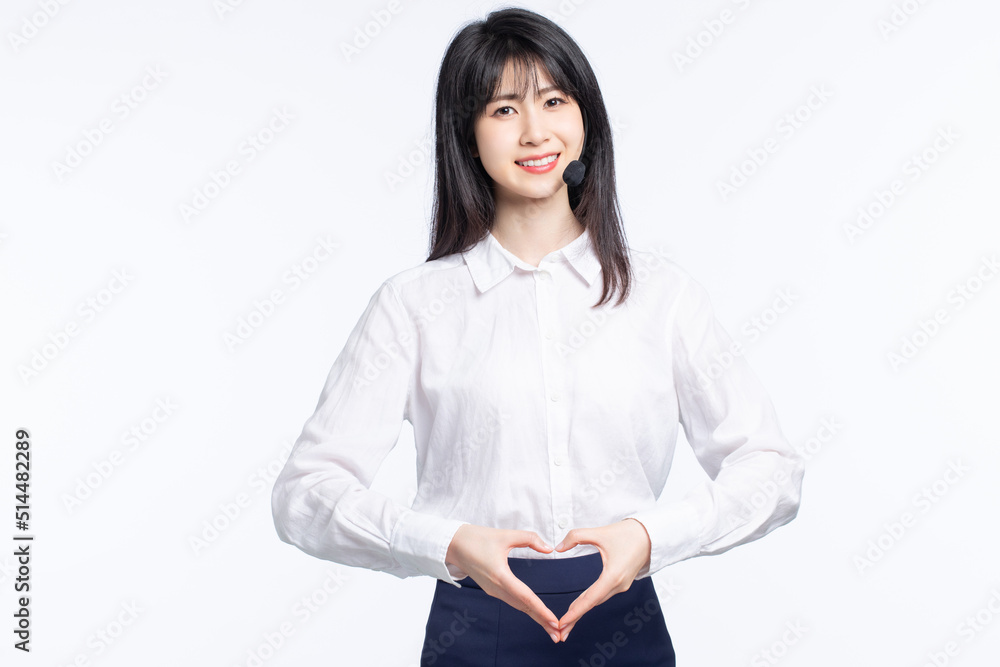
(537, 163)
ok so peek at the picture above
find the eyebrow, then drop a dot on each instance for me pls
(512, 96)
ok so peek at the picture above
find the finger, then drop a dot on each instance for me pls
(601, 590)
(507, 587)
(527, 601)
(518, 595)
(584, 602)
(528, 538)
(536, 609)
(576, 537)
(564, 633)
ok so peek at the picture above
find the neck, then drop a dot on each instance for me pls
(532, 228)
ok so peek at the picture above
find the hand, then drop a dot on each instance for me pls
(625, 549)
(481, 553)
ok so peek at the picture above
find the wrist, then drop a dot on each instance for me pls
(645, 533)
(450, 554)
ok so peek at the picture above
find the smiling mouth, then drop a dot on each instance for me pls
(541, 162)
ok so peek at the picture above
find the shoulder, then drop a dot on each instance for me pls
(421, 282)
(654, 270)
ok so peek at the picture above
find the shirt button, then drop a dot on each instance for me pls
(543, 274)
(559, 461)
(563, 522)
(555, 396)
(548, 334)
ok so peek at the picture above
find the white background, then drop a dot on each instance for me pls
(680, 130)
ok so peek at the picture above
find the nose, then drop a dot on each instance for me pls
(534, 130)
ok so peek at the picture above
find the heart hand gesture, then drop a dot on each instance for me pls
(482, 552)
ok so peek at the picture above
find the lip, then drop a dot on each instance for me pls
(537, 157)
(544, 168)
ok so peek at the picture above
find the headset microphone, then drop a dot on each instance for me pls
(574, 172)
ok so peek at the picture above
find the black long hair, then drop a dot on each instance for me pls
(470, 75)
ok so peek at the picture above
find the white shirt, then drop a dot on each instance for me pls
(532, 411)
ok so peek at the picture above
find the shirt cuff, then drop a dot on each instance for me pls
(674, 534)
(420, 542)
(456, 573)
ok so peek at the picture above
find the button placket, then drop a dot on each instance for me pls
(557, 419)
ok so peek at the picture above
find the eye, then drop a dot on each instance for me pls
(560, 100)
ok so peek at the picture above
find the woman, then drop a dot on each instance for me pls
(545, 409)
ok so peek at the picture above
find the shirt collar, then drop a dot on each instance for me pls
(489, 262)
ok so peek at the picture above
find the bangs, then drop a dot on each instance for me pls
(523, 64)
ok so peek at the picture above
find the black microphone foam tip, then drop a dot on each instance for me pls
(574, 172)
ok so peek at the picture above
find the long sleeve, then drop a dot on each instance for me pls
(322, 502)
(755, 476)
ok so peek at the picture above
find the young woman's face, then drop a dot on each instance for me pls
(512, 131)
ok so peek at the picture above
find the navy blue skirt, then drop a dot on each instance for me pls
(468, 628)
